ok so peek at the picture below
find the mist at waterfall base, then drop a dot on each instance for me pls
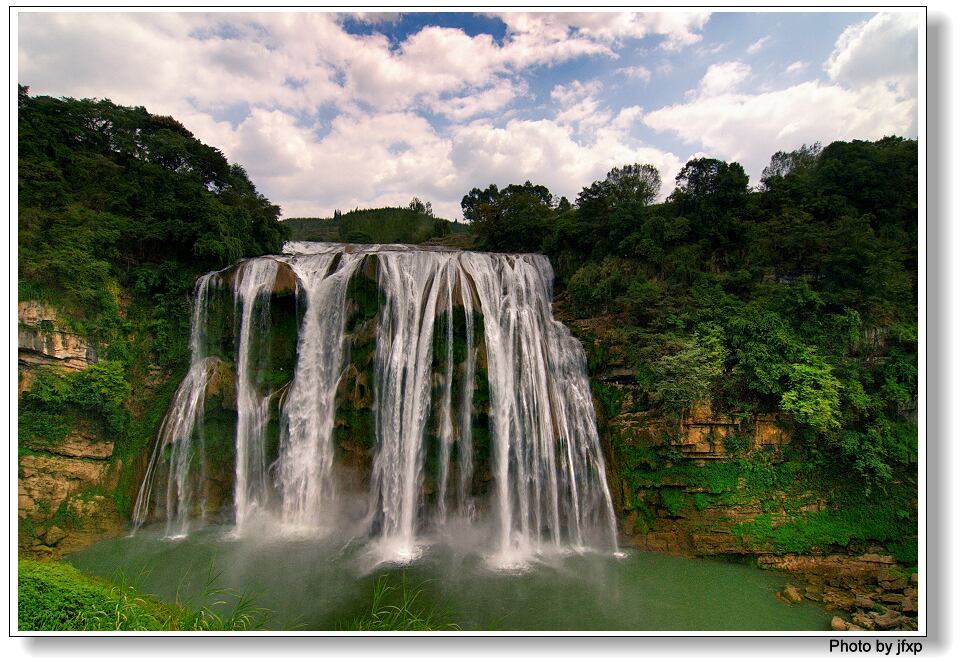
(498, 510)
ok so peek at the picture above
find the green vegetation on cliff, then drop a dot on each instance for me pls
(114, 201)
(799, 297)
(119, 212)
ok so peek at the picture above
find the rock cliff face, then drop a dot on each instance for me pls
(710, 484)
(42, 341)
(59, 508)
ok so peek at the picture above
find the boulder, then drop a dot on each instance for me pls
(53, 535)
(887, 620)
(863, 620)
(838, 624)
(864, 602)
(837, 599)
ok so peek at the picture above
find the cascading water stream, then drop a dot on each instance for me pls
(305, 476)
(178, 426)
(251, 289)
(542, 454)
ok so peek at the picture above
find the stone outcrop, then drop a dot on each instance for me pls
(42, 341)
(701, 435)
(93, 519)
(59, 507)
(867, 567)
(46, 481)
(79, 444)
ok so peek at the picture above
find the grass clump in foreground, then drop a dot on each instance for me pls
(54, 596)
(394, 608)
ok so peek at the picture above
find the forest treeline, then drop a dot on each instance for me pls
(797, 296)
(415, 223)
(113, 198)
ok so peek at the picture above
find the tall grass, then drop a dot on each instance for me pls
(54, 596)
(395, 608)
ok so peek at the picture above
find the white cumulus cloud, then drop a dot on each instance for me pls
(749, 128)
(882, 49)
(723, 77)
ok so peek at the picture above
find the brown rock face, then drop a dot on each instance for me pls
(42, 342)
(285, 282)
(46, 482)
(868, 567)
(79, 444)
(701, 435)
(222, 383)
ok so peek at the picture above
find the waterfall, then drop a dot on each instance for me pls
(467, 390)
(307, 453)
(535, 478)
(251, 288)
(177, 429)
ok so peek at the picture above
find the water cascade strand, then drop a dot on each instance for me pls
(306, 460)
(252, 287)
(177, 430)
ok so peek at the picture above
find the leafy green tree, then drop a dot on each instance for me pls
(610, 209)
(783, 164)
(515, 218)
(688, 376)
(420, 207)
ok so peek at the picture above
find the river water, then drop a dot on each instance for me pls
(313, 584)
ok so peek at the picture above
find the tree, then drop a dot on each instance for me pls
(473, 204)
(611, 208)
(515, 218)
(782, 164)
(707, 185)
(714, 196)
(418, 206)
(629, 184)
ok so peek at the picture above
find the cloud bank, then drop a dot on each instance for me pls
(325, 115)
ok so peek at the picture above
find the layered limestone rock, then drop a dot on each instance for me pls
(79, 444)
(59, 506)
(703, 435)
(41, 341)
(46, 481)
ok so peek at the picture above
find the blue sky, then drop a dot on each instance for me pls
(329, 110)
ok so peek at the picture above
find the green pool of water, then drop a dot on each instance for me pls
(312, 584)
